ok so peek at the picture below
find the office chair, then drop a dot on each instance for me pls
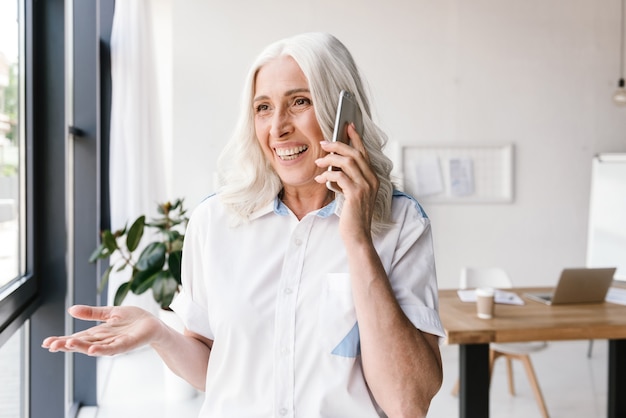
(499, 279)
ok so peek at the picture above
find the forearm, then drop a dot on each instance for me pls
(402, 365)
(187, 355)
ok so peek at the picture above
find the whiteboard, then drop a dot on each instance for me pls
(606, 243)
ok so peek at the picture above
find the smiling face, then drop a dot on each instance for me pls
(285, 123)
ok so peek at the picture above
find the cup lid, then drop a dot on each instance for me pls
(485, 291)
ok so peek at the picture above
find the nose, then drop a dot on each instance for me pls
(281, 123)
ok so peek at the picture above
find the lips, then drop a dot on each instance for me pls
(292, 153)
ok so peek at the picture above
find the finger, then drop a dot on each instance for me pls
(54, 344)
(364, 161)
(346, 178)
(106, 346)
(357, 141)
(48, 342)
(90, 313)
(340, 156)
(352, 164)
(87, 345)
(356, 152)
(59, 344)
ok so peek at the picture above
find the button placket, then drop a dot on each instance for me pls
(286, 302)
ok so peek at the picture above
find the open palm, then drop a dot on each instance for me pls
(122, 328)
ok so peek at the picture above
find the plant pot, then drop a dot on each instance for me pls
(176, 388)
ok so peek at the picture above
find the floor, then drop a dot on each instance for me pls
(573, 385)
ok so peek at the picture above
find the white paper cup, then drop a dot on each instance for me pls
(485, 302)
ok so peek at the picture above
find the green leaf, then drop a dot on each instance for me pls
(121, 293)
(120, 232)
(143, 280)
(173, 235)
(177, 203)
(164, 289)
(109, 241)
(158, 223)
(178, 221)
(100, 252)
(135, 233)
(176, 245)
(152, 257)
(174, 263)
(105, 279)
(163, 208)
(122, 267)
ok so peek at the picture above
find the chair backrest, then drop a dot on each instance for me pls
(473, 277)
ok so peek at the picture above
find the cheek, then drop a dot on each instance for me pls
(315, 132)
(315, 150)
(261, 134)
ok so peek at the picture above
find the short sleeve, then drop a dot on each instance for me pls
(194, 316)
(412, 267)
(191, 304)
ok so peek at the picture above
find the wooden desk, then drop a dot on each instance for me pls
(533, 321)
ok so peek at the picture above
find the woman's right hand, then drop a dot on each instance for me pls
(122, 328)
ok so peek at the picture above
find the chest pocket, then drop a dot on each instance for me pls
(338, 331)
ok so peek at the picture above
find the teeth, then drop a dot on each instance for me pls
(290, 153)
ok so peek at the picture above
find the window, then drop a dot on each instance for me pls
(15, 291)
(11, 82)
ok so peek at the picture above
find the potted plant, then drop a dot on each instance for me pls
(158, 265)
(156, 268)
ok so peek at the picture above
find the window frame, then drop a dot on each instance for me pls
(55, 165)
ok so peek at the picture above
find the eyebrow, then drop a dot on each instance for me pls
(287, 94)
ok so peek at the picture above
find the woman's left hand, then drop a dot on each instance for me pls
(357, 180)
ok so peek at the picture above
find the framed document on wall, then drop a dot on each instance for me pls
(459, 174)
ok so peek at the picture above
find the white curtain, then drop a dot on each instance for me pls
(137, 165)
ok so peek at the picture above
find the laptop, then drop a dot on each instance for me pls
(578, 285)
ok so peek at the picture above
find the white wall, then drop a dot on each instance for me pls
(534, 73)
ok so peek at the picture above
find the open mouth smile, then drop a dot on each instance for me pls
(287, 154)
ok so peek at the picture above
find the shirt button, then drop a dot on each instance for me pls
(298, 241)
(283, 411)
(288, 291)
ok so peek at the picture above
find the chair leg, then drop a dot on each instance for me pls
(493, 356)
(509, 370)
(530, 372)
(534, 384)
(590, 348)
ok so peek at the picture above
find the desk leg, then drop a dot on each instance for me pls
(617, 379)
(474, 381)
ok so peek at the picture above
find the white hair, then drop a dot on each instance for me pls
(246, 179)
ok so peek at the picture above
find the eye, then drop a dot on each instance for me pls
(302, 101)
(261, 108)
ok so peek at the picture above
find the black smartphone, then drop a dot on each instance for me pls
(348, 111)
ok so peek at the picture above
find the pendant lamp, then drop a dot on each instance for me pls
(619, 97)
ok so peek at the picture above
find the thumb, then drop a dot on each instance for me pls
(90, 313)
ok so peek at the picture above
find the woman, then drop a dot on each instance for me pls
(297, 302)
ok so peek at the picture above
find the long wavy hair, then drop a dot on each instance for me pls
(246, 179)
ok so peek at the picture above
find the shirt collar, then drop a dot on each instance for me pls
(263, 210)
(279, 208)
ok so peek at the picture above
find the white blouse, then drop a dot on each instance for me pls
(274, 295)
